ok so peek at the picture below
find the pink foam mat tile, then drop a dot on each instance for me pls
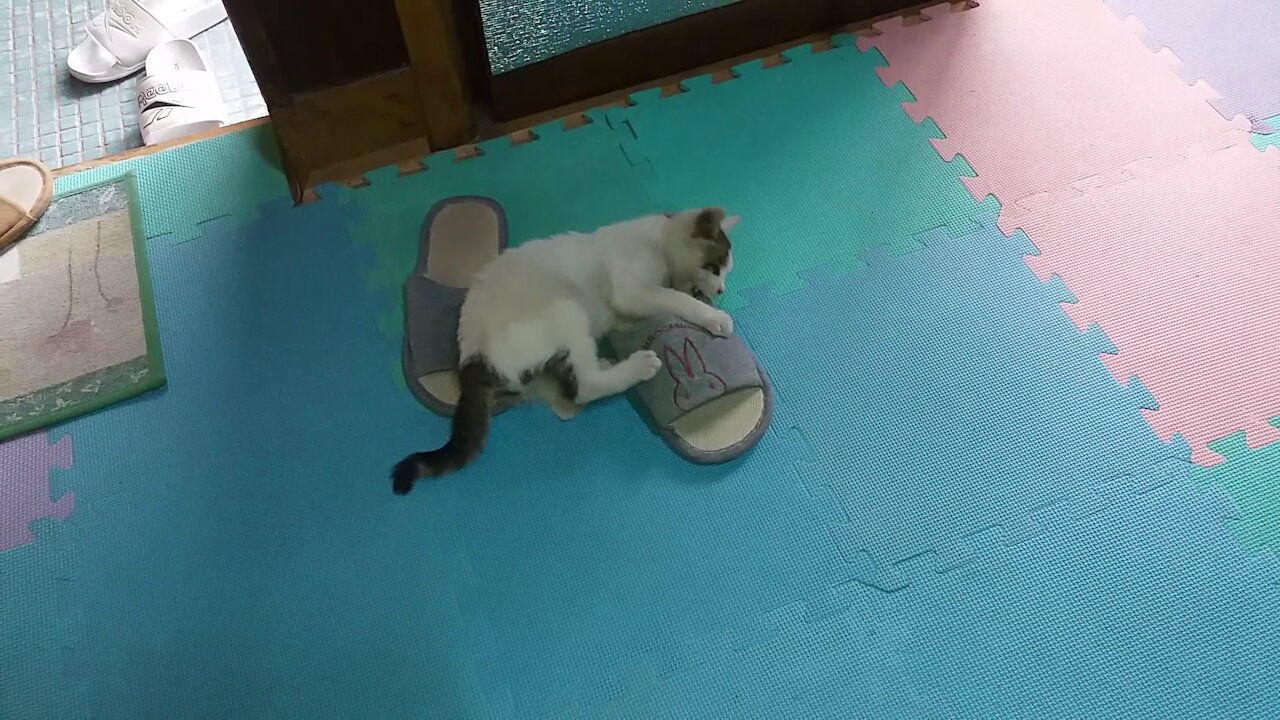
(1039, 95)
(1180, 266)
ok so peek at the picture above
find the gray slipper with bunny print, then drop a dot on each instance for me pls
(711, 402)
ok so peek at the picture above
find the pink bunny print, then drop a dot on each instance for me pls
(689, 371)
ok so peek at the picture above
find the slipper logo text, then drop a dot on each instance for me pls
(121, 19)
(147, 96)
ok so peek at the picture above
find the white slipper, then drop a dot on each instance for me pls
(179, 94)
(119, 39)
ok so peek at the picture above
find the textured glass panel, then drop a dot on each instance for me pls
(520, 32)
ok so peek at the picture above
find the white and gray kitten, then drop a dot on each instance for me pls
(531, 321)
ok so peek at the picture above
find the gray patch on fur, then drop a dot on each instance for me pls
(715, 256)
(707, 224)
(715, 251)
(559, 369)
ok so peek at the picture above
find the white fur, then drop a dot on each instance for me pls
(561, 294)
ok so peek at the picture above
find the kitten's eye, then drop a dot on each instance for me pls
(713, 269)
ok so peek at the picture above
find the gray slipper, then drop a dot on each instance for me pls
(459, 236)
(711, 402)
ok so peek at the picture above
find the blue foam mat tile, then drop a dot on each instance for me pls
(908, 320)
(1268, 564)
(37, 630)
(1067, 481)
(239, 540)
(1096, 620)
(157, 479)
(1107, 610)
(236, 536)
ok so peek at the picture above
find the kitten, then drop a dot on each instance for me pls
(531, 320)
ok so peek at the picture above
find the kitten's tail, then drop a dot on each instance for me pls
(470, 429)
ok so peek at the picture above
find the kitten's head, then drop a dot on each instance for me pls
(699, 254)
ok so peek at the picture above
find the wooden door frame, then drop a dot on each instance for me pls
(333, 132)
(447, 96)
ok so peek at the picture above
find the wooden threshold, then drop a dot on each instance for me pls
(321, 129)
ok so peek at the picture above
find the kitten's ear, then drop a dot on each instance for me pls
(729, 223)
(706, 224)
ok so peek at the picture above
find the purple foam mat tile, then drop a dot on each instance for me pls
(25, 496)
(1234, 45)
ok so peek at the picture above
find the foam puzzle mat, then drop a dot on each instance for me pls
(1022, 465)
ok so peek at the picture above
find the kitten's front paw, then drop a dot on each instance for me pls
(645, 363)
(717, 322)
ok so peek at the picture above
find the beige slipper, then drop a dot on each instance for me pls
(26, 187)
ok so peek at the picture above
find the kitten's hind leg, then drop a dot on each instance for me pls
(555, 386)
(564, 408)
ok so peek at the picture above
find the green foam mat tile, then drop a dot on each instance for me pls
(563, 180)
(793, 147)
(227, 175)
(1251, 476)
